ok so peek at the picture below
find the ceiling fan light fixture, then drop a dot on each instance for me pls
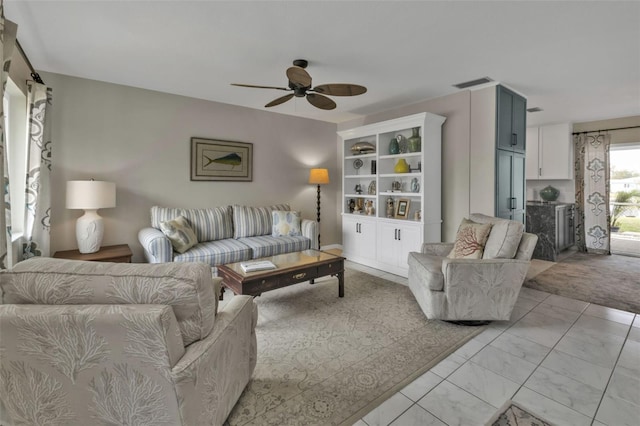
(471, 83)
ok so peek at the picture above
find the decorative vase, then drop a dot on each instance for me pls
(394, 146)
(401, 166)
(549, 193)
(415, 140)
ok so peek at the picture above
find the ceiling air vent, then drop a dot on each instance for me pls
(534, 109)
(472, 83)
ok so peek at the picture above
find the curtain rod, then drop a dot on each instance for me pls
(606, 130)
(36, 77)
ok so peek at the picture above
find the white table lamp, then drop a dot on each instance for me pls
(90, 195)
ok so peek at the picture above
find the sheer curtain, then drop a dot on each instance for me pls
(592, 192)
(7, 43)
(36, 237)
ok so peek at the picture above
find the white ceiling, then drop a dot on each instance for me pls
(579, 61)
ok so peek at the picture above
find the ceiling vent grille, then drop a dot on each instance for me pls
(472, 83)
(534, 109)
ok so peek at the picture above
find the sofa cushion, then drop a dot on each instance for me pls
(179, 233)
(470, 240)
(428, 268)
(187, 288)
(254, 221)
(209, 224)
(216, 253)
(267, 245)
(286, 223)
(504, 238)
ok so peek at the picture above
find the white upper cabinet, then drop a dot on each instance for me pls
(549, 152)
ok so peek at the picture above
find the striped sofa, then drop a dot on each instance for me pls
(225, 234)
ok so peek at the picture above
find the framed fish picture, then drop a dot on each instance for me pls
(221, 160)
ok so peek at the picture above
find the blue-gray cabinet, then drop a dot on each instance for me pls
(511, 132)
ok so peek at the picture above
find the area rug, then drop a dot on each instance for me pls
(325, 360)
(511, 414)
(612, 281)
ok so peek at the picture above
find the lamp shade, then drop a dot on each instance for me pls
(319, 176)
(90, 194)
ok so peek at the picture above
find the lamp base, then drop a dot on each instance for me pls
(89, 232)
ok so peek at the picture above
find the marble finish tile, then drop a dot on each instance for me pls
(417, 416)
(549, 409)
(634, 334)
(591, 349)
(448, 365)
(577, 369)
(636, 322)
(616, 315)
(483, 383)
(360, 423)
(575, 395)
(455, 406)
(470, 348)
(522, 348)
(566, 303)
(618, 412)
(525, 303)
(488, 335)
(505, 364)
(558, 313)
(630, 358)
(533, 294)
(386, 412)
(624, 387)
(539, 329)
(598, 326)
(517, 313)
(421, 386)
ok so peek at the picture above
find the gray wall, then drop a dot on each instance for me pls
(140, 140)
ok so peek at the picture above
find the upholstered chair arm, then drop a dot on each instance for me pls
(482, 289)
(222, 363)
(526, 247)
(157, 247)
(437, 249)
(310, 230)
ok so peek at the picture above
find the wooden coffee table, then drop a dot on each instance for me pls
(292, 268)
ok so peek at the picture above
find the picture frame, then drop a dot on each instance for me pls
(219, 160)
(402, 208)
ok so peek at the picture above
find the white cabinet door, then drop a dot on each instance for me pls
(395, 241)
(358, 239)
(532, 167)
(555, 152)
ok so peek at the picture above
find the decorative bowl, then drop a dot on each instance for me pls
(362, 148)
(549, 193)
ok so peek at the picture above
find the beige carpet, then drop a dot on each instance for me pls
(324, 360)
(612, 281)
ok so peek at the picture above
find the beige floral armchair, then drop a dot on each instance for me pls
(104, 343)
(482, 289)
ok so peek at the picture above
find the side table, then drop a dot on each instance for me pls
(120, 253)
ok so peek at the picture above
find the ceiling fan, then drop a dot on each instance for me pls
(300, 85)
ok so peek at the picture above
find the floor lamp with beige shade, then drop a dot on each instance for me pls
(319, 177)
(90, 195)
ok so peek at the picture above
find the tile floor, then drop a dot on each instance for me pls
(570, 362)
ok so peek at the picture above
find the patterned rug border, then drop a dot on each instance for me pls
(401, 385)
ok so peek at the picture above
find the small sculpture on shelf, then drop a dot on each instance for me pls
(358, 189)
(390, 207)
(415, 186)
(372, 188)
(359, 206)
(369, 208)
(351, 205)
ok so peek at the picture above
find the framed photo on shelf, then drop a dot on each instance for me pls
(402, 208)
(221, 160)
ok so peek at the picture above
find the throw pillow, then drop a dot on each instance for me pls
(286, 223)
(470, 240)
(179, 233)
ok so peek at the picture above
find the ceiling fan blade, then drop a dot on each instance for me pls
(299, 76)
(320, 101)
(279, 101)
(259, 87)
(340, 89)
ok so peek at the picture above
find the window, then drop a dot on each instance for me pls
(15, 107)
